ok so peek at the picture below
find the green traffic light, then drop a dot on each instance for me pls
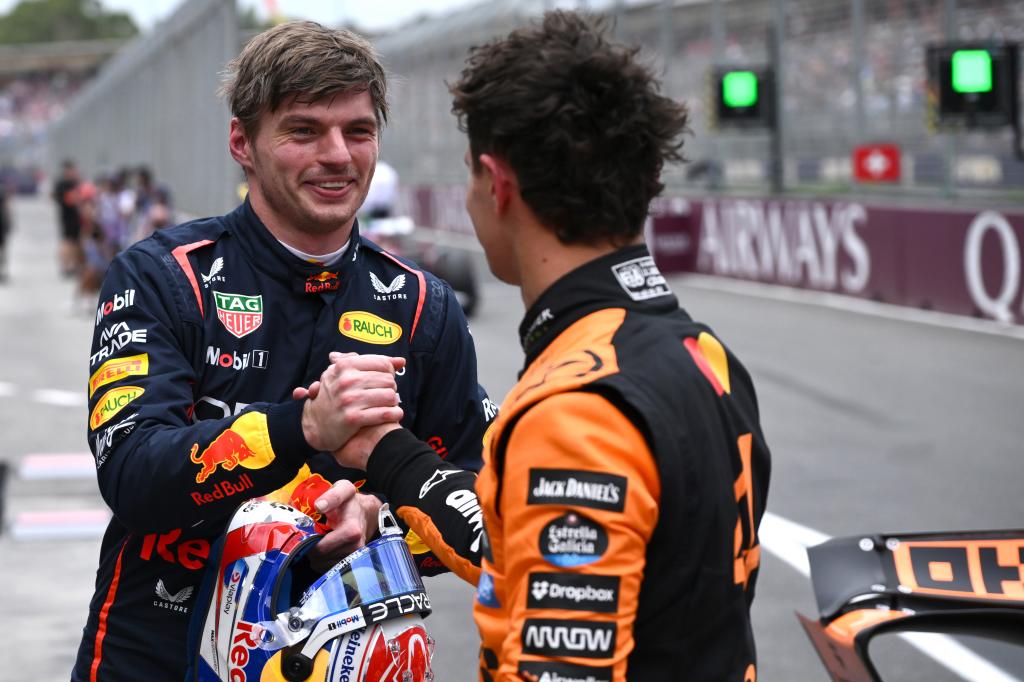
(739, 89)
(972, 71)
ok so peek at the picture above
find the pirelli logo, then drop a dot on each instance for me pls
(571, 487)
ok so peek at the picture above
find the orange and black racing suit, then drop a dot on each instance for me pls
(623, 483)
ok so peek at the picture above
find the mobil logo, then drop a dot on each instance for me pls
(367, 327)
(237, 361)
(120, 301)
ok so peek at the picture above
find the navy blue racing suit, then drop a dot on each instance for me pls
(202, 332)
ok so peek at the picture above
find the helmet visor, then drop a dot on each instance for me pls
(382, 569)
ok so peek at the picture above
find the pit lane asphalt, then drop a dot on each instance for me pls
(874, 424)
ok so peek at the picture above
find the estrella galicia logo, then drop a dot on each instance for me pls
(485, 591)
(573, 540)
(553, 671)
(573, 592)
(577, 488)
(582, 638)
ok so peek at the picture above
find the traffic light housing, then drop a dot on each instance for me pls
(744, 97)
(974, 84)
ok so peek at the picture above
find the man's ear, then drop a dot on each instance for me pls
(504, 183)
(238, 144)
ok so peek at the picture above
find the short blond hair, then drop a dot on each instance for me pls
(305, 59)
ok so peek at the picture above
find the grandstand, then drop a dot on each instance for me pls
(37, 84)
(843, 82)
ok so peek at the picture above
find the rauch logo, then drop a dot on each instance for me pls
(112, 402)
(367, 327)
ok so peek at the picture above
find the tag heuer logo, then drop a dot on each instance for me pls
(239, 314)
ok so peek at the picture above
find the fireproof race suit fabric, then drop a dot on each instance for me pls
(623, 483)
(202, 332)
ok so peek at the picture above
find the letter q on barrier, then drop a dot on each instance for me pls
(998, 306)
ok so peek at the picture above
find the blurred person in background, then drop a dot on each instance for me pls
(152, 205)
(69, 252)
(96, 251)
(5, 229)
(615, 533)
(205, 330)
(383, 195)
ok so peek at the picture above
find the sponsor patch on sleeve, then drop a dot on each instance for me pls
(580, 638)
(577, 489)
(118, 368)
(573, 540)
(552, 671)
(573, 592)
(112, 402)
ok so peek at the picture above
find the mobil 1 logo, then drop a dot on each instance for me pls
(575, 488)
(573, 592)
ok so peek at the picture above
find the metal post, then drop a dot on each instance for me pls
(716, 164)
(775, 58)
(859, 59)
(667, 38)
(953, 136)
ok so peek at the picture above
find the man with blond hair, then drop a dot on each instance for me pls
(208, 335)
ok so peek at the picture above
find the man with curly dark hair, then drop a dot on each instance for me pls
(625, 476)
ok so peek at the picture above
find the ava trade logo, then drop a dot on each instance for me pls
(112, 402)
(240, 314)
(232, 447)
(118, 368)
(324, 281)
(367, 327)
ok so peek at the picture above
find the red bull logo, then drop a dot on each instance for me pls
(227, 450)
(307, 492)
(324, 281)
(223, 489)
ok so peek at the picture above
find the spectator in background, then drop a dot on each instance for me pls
(5, 227)
(69, 253)
(152, 206)
(96, 250)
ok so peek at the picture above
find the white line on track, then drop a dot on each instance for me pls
(53, 396)
(788, 541)
(853, 305)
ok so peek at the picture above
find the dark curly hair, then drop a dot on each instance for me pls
(580, 121)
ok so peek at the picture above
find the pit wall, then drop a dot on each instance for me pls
(961, 261)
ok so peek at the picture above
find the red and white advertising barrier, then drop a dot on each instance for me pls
(959, 261)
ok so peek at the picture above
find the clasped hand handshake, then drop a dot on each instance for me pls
(348, 411)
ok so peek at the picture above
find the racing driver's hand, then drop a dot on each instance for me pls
(355, 453)
(353, 392)
(352, 517)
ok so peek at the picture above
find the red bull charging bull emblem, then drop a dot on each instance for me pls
(324, 281)
(231, 448)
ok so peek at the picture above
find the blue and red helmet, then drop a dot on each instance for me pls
(263, 614)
